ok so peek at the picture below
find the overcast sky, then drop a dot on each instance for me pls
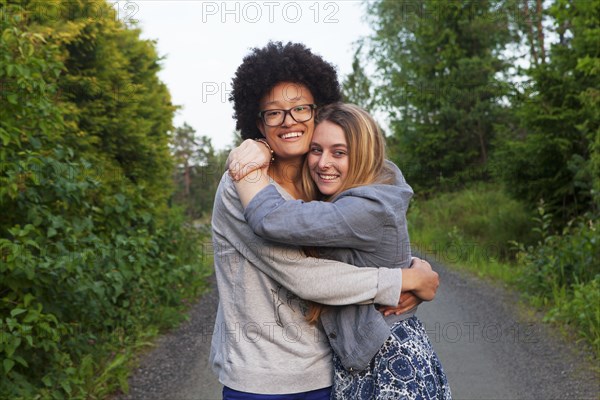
(205, 41)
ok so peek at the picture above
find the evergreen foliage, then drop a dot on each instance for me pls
(89, 251)
(198, 173)
(438, 65)
(507, 92)
(551, 151)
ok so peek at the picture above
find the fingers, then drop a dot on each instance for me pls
(421, 265)
(246, 158)
(419, 261)
(398, 311)
(405, 296)
(241, 168)
(426, 264)
(408, 300)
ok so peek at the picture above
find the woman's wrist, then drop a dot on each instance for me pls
(408, 279)
(264, 142)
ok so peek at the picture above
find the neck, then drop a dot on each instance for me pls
(287, 173)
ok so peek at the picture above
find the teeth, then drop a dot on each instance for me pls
(327, 177)
(291, 135)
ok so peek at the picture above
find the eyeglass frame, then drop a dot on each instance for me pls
(313, 107)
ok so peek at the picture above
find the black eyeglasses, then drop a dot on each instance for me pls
(300, 113)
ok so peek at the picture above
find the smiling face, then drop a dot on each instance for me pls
(290, 139)
(328, 157)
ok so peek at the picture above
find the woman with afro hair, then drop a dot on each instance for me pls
(360, 219)
(262, 345)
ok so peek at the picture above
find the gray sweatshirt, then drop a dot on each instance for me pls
(261, 342)
(363, 226)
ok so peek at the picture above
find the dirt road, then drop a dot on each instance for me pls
(489, 348)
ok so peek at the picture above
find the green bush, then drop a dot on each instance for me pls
(561, 260)
(579, 308)
(92, 261)
(562, 273)
(482, 217)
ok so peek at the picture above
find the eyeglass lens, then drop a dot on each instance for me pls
(276, 117)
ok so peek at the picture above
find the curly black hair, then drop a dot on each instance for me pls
(265, 67)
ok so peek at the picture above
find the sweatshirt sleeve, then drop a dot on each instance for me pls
(323, 281)
(352, 221)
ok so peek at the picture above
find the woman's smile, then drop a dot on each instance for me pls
(290, 139)
(291, 135)
(328, 157)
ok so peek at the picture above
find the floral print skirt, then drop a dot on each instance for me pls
(406, 367)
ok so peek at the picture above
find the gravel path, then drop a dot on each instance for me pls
(490, 349)
(177, 368)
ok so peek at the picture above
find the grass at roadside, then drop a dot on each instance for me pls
(477, 230)
(471, 230)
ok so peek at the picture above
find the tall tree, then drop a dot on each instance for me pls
(184, 146)
(110, 81)
(553, 153)
(437, 65)
(198, 171)
(207, 174)
(357, 86)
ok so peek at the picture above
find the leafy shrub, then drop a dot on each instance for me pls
(92, 260)
(579, 308)
(562, 272)
(482, 216)
(561, 260)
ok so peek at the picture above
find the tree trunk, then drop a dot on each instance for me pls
(540, 16)
(530, 38)
(481, 134)
(186, 179)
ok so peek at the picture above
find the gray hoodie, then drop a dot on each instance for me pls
(363, 226)
(261, 342)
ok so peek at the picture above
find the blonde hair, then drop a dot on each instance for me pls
(366, 161)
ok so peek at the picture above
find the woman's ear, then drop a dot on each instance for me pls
(261, 127)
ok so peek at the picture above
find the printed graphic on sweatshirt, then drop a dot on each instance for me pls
(284, 298)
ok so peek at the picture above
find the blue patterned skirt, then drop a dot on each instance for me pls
(406, 367)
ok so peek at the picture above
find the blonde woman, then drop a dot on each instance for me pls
(262, 346)
(360, 219)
